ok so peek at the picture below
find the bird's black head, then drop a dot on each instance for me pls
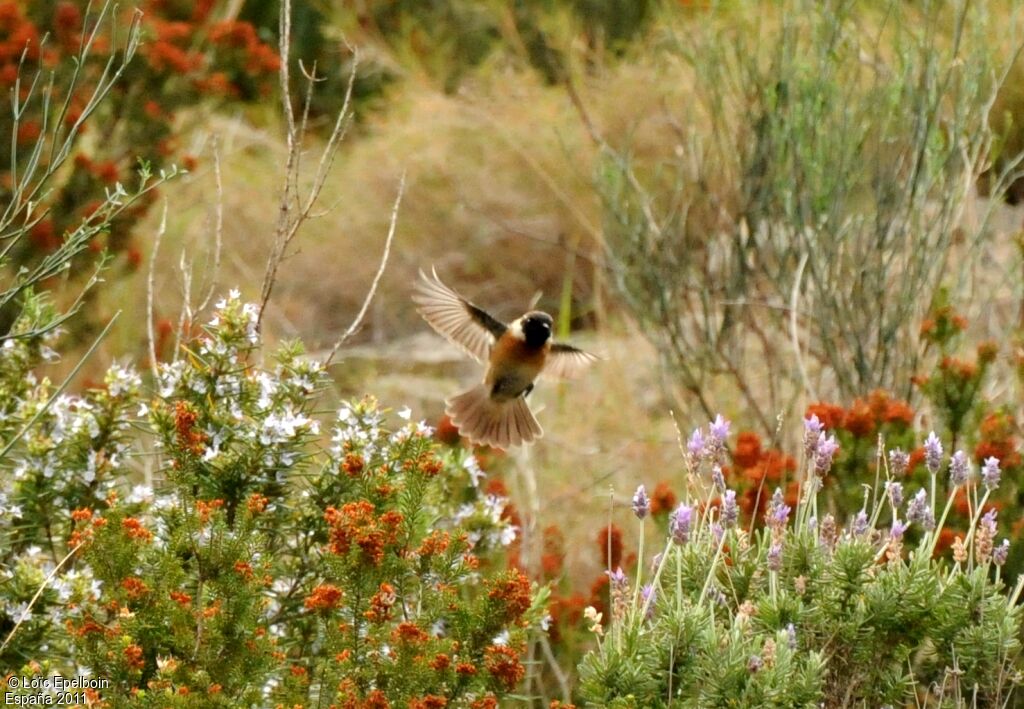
(537, 328)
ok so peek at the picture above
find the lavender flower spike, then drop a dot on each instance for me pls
(895, 491)
(920, 512)
(990, 473)
(778, 511)
(860, 524)
(899, 461)
(719, 429)
(826, 449)
(959, 469)
(648, 595)
(641, 503)
(717, 477)
(812, 429)
(775, 557)
(1001, 552)
(695, 446)
(933, 453)
(679, 523)
(730, 511)
(898, 528)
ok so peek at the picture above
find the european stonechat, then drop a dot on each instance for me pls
(495, 411)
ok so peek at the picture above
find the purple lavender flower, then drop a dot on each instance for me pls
(618, 578)
(959, 469)
(775, 557)
(695, 446)
(715, 595)
(791, 636)
(899, 461)
(895, 491)
(717, 531)
(679, 523)
(933, 453)
(778, 511)
(641, 503)
(898, 528)
(648, 596)
(812, 429)
(988, 521)
(719, 429)
(730, 511)
(920, 511)
(717, 478)
(859, 527)
(1001, 552)
(826, 449)
(754, 664)
(990, 473)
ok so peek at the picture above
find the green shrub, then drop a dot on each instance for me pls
(261, 566)
(811, 203)
(805, 610)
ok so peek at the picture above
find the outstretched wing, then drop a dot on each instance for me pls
(567, 362)
(464, 324)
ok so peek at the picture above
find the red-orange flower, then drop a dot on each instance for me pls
(503, 664)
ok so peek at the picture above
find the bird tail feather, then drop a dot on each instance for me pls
(500, 424)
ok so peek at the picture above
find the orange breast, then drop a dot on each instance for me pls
(514, 365)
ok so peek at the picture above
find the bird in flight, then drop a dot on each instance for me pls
(495, 411)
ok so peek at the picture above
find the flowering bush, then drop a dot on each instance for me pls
(262, 566)
(808, 609)
(61, 59)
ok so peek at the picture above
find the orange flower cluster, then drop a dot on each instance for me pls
(133, 656)
(352, 465)
(256, 503)
(357, 525)
(760, 470)
(188, 438)
(381, 603)
(503, 664)
(181, 598)
(409, 633)
(663, 500)
(134, 529)
(426, 464)
(942, 323)
(437, 542)
(428, 701)
(997, 440)
(134, 587)
(512, 592)
(205, 509)
(325, 597)
(864, 416)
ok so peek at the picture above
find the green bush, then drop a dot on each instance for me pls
(261, 565)
(811, 202)
(806, 610)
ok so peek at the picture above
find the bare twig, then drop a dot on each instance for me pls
(150, 279)
(218, 229)
(295, 209)
(357, 321)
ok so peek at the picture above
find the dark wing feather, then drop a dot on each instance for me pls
(567, 362)
(463, 323)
